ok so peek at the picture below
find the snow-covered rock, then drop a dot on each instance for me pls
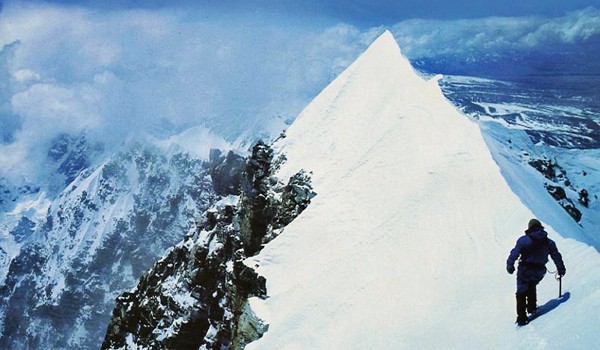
(196, 296)
(99, 235)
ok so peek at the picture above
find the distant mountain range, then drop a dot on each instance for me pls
(516, 66)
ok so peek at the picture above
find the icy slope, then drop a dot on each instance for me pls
(404, 246)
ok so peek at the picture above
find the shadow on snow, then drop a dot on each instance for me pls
(550, 305)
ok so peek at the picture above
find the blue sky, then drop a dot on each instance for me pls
(362, 12)
(113, 68)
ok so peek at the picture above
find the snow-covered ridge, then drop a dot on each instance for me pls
(405, 245)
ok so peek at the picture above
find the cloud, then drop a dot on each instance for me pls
(26, 76)
(575, 28)
(423, 38)
(9, 122)
(115, 73)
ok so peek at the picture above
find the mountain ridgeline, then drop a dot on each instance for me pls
(156, 247)
(418, 208)
(100, 234)
(196, 295)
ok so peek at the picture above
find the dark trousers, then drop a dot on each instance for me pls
(528, 278)
(526, 300)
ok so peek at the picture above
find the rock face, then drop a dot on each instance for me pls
(226, 172)
(196, 296)
(559, 186)
(69, 156)
(100, 235)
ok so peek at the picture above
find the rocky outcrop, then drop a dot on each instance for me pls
(560, 187)
(226, 172)
(196, 297)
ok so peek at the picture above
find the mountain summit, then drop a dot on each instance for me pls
(405, 245)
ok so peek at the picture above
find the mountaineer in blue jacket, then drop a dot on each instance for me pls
(532, 250)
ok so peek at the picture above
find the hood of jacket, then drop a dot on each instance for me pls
(537, 234)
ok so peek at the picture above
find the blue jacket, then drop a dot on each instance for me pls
(532, 250)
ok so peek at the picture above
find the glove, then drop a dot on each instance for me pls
(510, 269)
(562, 272)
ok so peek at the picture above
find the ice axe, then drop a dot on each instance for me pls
(559, 279)
(560, 286)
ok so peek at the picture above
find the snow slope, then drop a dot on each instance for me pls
(404, 246)
(581, 171)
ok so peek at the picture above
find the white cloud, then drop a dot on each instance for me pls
(118, 72)
(113, 73)
(576, 27)
(49, 106)
(421, 38)
(25, 76)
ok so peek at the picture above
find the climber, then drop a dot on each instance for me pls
(532, 250)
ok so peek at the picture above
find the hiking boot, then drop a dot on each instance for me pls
(522, 321)
(532, 313)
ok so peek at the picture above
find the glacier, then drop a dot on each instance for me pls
(405, 245)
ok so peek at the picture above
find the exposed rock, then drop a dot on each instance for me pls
(226, 172)
(72, 155)
(559, 194)
(23, 230)
(554, 172)
(584, 198)
(250, 328)
(196, 297)
(551, 170)
(556, 192)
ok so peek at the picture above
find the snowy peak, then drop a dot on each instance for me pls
(380, 72)
(378, 95)
(405, 244)
(385, 145)
(383, 61)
